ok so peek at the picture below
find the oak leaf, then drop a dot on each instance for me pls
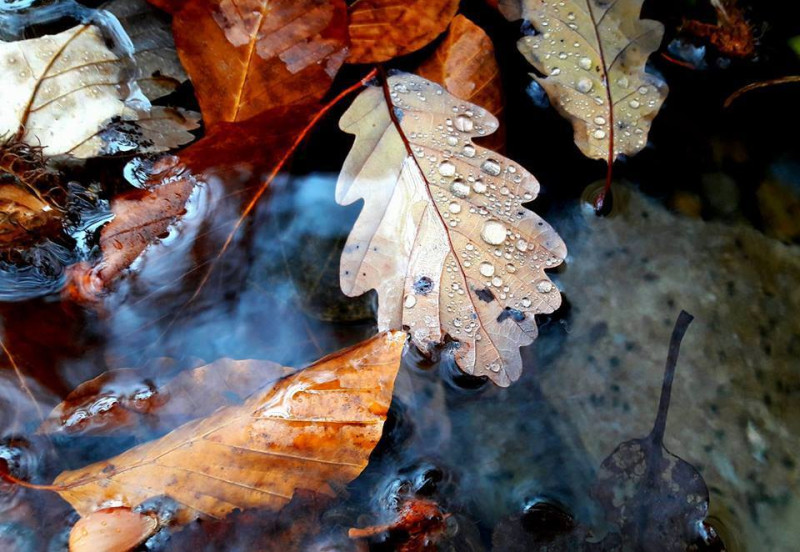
(123, 399)
(384, 29)
(245, 57)
(312, 430)
(465, 64)
(62, 92)
(443, 236)
(592, 54)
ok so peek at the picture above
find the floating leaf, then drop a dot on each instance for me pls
(63, 90)
(122, 399)
(592, 54)
(312, 430)
(246, 57)
(384, 29)
(465, 64)
(443, 236)
(159, 71)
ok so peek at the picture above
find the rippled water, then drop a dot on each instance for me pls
(695, 225)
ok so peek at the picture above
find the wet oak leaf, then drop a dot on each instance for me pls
(313, 430)
(384, 29)
(465, 64)
(592, 54)
(245, 57)
(443, 236)
(122, 399)
(62, 91)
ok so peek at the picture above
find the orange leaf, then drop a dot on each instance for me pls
(122, 399)
(313, 430)
(111, 530)
(384, 29)
(465, 64)
(245, 57)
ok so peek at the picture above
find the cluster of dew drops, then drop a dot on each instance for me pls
(590, 103)
(494, 192)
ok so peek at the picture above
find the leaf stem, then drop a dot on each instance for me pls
(276, 169)
(681, 325)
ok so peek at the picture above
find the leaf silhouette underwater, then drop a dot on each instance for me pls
(652, 500)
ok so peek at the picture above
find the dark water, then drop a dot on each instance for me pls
(699, 222)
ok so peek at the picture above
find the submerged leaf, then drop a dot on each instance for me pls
(159, 71)
(465, 64)
(443, 236)
(384, 29)
(62, 91)
(313, 430)
(143, 216)
(592, 54)
(652, 500)
(246, 57)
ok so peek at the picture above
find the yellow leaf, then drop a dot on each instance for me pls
(443, 236)
(593, 54)
(311, 430)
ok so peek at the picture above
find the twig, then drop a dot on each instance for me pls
(21, 379)
(757, 85)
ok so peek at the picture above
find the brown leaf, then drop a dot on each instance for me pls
(384, 29)
(245, 57)
(593, 54)
(24, 216)
(422, 520)
(443, 236)
(465, 64)
(111, 530)
(122, 399)
(65, 89)
(143, 216)
(312, 430)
